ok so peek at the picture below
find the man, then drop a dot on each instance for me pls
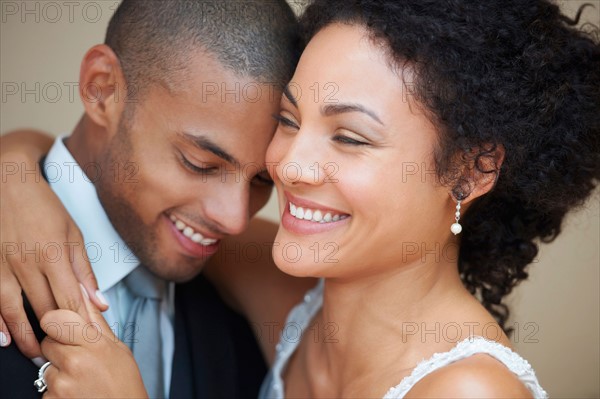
(157, 177)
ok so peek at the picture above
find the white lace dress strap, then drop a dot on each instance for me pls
(301, 315)
(466, 348)
(297, 322)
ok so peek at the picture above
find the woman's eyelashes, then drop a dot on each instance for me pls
(348, 140)
(286, 122)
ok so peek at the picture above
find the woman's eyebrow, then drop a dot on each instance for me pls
(334, 109)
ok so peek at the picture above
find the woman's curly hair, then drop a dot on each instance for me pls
(512, 74)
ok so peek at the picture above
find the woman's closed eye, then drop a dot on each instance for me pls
(286, 122)
(342, 139)
(348, 140)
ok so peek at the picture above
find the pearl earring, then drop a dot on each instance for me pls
(456, 228)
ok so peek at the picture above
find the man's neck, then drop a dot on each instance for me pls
(84, 142)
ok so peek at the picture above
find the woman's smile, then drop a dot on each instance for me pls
(305, 217)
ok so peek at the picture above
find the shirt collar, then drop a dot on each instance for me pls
(109, 256)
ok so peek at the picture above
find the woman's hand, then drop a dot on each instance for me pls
(87, 359)
(35, 228)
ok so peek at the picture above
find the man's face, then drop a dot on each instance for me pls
(188, 168)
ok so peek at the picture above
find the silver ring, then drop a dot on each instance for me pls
(40, 383)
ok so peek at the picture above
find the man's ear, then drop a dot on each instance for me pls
(480, 171)
(102, 86)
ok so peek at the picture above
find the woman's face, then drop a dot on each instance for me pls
(353, 165)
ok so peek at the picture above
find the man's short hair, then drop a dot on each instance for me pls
(156, 39)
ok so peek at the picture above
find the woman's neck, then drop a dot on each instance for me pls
(380, 319)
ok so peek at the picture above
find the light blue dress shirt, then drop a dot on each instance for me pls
(110, 258)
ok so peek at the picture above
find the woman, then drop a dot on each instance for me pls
(501, 101)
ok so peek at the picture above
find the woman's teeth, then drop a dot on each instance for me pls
(314, 215)
(191, 233)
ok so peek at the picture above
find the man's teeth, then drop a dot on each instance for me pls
(190, 233)
(314, 215)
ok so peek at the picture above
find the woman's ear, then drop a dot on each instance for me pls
(102, 86)
(480, 171)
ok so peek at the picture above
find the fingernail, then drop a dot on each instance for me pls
(101, 298)
(39, 361)
(3, 339)
(85, 294)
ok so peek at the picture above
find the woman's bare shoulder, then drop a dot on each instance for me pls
(477, 376)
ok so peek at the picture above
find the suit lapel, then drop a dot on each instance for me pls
(182, 378)
(216, 355)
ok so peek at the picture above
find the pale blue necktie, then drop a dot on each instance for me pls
(143, 327)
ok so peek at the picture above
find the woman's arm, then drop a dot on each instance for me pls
(30, 145)
(32, 217)
(246, 277)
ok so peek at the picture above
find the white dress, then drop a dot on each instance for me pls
(301, 315)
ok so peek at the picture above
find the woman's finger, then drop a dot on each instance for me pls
(69, 328)
(36, 288)
(84, 273)
(65, 327)
(64, 284)
(63, 357)
(70, 269)
(4, 334)
(51, 376)
(14, 323)
(96, 316)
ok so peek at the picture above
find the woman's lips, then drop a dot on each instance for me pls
(308, 204)
(304, 220)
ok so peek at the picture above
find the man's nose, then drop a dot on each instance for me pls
(228, 208)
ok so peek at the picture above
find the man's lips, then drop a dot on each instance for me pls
(193, 233)
(190, 247)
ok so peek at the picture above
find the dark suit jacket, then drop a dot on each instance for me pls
(216, 355)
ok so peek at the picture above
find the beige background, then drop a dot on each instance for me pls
(556, 313)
